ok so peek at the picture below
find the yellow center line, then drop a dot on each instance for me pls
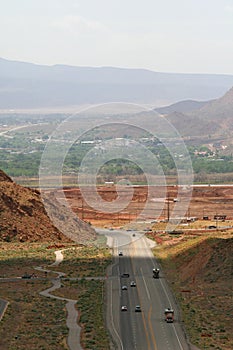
(143, 317)
(151, 328)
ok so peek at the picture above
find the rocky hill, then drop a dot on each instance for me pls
(181, 107)
(219, 109)
(23, 217)
(215, 118)
(199, 267)
(193, 125)
(202, 276)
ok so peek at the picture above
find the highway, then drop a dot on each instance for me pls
(147, 329)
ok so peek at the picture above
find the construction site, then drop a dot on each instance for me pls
(211, 203)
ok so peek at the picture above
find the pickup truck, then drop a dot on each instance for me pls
(156, 273)
(169, 315)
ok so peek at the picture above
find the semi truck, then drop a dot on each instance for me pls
(169, 315)
(156, 273)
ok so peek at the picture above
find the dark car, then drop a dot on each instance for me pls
(125, 274)
(138, 308)
(26, 276)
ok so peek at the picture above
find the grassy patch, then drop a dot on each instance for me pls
(18, 258)
(89, 294)
(36, 322)
(32, 321)
(195, 225)
(89, 261)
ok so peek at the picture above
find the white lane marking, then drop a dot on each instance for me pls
(165, 292)
(173, 324)
(177, 337)
(113, 325)
(147, 290)
(119, 282)
(114, 246)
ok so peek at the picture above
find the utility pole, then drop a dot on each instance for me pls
(168, 208)
(82, 210)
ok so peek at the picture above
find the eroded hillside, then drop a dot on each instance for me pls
(23, 217)
(200, 270)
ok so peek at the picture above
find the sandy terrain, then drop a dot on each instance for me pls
(205, 201)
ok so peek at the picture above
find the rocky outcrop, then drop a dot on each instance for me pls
(23, 217)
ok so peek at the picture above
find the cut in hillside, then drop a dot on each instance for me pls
(23, 217)
(201, 272)
(209, 261)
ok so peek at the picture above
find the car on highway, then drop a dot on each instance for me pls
(156, 273)
(28, 276)
(120, 254)
(169, 315)
(124, 308)
(124, 288)
(132, 284)
(138, 308)
(125, 274)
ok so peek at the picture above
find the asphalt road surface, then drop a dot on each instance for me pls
(146, 329)
(3, 306)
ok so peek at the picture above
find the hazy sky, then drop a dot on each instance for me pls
(167, 35)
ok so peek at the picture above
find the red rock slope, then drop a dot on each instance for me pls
(23, 217)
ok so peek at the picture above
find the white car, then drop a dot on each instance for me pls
(124, 288)
(124, 308)
(132, 284)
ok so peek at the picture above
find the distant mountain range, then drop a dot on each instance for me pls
(25, 86)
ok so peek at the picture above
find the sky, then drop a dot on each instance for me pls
(185, 36)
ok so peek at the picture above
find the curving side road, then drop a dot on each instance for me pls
(73, 340)
(3, 306)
